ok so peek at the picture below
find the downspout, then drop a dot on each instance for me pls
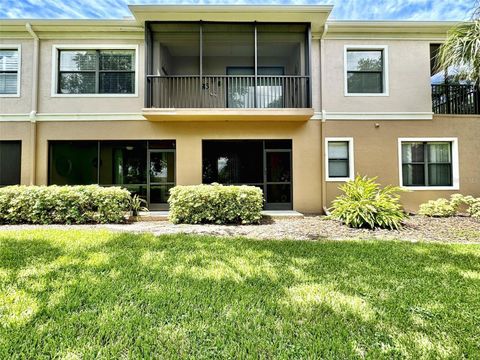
(34, 108)
(324, 118)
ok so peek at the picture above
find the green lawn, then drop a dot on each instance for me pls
(80, 294)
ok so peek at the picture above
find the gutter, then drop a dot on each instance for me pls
(34, 106)
(324, 118)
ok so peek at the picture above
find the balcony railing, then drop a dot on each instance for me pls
(228, 91)
(456, 99)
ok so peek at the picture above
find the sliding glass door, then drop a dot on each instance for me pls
(278, 182)
(161, 177)
(266, 164)
(145, 168)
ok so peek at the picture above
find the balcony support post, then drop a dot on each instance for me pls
(148, 64)
(256, 66)
(201, 64)
(309, 66)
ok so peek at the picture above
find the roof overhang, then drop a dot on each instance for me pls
(72, 28)
(316, 15)
(422, 30)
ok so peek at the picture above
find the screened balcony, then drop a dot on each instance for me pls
(228, 66)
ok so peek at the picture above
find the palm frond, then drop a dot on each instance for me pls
(461, 50)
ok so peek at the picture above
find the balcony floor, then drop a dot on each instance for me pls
(227, 114)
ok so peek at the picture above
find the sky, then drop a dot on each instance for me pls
(343, 10)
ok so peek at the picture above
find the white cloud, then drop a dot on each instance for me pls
(344, 9)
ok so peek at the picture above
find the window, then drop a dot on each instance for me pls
(366, 71)
(96, 71)
(339, 154)
(429, 163)
(10, 162)
(10, 71)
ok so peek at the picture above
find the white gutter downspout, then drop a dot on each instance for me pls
(34, 109)
(322, 124)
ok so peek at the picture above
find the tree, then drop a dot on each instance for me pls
(461, 49)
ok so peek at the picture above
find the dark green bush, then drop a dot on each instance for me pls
(215, 203)
(63, 204)
(364, 204)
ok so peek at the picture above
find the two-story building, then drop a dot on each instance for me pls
(278, 97)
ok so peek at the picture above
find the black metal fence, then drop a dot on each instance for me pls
(228, 91)
(456, 99)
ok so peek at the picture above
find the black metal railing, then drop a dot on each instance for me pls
(455, 99)
(228, 91)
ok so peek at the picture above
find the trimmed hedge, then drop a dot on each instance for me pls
(216, 204)
(63, 204)
(441, 207)
(447, 208)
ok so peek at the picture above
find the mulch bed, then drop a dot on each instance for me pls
(417, 228)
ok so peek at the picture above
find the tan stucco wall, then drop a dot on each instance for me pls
(376, 151)
(375, 148)
(22, 104)
(189, 135)
(15, 130)
(97, 104)
(409, 78)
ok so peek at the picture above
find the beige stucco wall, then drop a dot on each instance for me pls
(408, 72)
(376, 151)
(189, 135)
(315, 76)
(22, 104)
(16, 130)
(78, 104)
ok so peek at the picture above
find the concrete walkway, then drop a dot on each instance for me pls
(271, 214)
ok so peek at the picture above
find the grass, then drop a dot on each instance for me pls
(96, 294)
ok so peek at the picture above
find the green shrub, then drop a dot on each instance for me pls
(137, 204)
(473, 206)
(447, 208)
(215, 204)
(438, 208)
(474, 209)
(364, 204)
(63, 204)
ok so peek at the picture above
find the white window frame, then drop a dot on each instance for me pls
(384, 48)
(455, 163)
(57, 47)
(18, 47)
(351, 160)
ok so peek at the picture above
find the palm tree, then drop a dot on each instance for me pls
(461, 50)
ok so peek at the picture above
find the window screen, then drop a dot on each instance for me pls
(365, 71)
(96, 72)
(9, 66)
(338, 159)
(427, 163)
